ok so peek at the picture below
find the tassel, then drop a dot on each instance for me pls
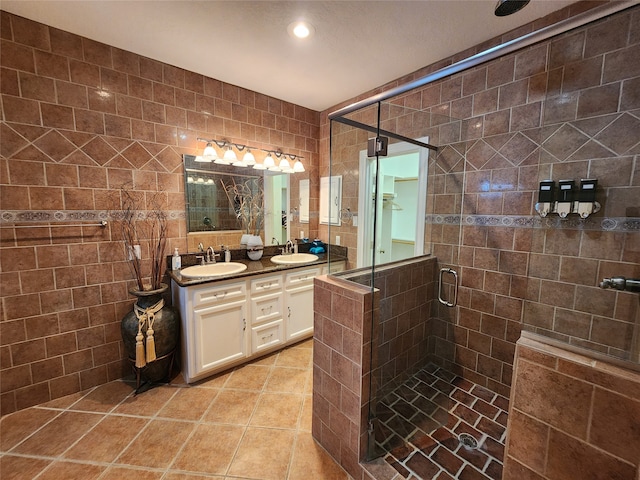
(140, 361)
(146, 315)
(151, 344)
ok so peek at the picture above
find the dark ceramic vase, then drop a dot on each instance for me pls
(166, 328)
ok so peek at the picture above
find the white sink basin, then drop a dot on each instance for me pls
(294, 258)
(213, 270)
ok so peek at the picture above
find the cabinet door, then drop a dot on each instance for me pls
(299, 311)
(220, 335)
(330, 200)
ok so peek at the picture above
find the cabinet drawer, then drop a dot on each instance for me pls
(301, 277)
(267, 336)
(266, 284)
(335, 267)
(265, 308)
(230, 292)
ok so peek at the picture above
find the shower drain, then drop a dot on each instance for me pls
(467, 441)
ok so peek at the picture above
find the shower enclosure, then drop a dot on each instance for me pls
(448, 309)
(414, 381)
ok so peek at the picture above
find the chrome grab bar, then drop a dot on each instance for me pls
(455, 287)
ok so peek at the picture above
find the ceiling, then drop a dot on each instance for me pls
(357, 45)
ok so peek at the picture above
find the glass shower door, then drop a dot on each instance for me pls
(407, 338)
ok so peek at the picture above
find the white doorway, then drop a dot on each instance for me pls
(276, 208)
(400, 203)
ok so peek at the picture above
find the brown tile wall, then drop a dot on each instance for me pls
(405, 294)
(564, 108)
(571, 417)
(80, 119)
(346, 376)
(341, 369)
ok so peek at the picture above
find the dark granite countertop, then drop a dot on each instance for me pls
(254, 267)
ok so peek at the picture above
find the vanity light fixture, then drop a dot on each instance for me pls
(248, 159)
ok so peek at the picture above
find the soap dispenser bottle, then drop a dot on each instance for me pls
(176, 260)
(227, 254)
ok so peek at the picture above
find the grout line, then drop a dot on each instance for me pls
(296, 431)
(114, 462)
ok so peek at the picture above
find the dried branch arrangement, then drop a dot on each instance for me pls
(247, 201)
(144, 227)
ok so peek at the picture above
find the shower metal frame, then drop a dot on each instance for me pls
(492, 53)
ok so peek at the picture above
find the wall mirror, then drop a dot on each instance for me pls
(213, 206)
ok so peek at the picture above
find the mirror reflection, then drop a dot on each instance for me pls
(226, 198)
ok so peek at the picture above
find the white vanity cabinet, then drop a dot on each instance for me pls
(298, 298)
(227, 322)
(214, 319)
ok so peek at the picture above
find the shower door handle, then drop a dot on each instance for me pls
(455, 287)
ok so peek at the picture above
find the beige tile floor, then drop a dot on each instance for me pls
(253, 422)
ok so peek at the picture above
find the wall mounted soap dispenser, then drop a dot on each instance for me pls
(566, 199)
(587, 197)
(546, 198)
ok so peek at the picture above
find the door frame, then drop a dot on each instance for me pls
(365, 189)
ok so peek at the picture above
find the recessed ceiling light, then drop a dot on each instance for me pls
(300, 29)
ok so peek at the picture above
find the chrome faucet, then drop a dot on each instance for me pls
(274, 241)
(211, 255)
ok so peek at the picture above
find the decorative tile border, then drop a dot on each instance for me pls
(618, 224)
(9, 217)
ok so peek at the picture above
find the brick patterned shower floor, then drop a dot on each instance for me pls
(420, 423)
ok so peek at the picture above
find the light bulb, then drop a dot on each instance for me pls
(284, 165)
(269, 162)
(300, 29)
(227, 158)
(248, 158)
(209, 153)
(298, 166)
(230, 155)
